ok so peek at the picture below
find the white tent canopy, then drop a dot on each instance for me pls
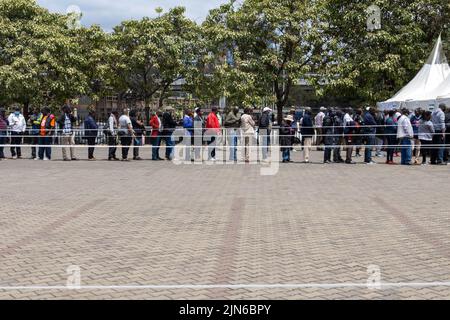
(426, 86)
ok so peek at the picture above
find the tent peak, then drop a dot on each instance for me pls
(438, 55)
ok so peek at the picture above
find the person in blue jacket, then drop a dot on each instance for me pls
(188, 125)
(370, 131)
(91, 132)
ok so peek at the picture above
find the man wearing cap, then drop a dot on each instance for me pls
(438, 119)
(17, 125)
(405, 134)
(318, 121)
(287, 134)
(264, 131)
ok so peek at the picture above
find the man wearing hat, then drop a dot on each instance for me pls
(17, 125)
(318, 121)
(264, 130)
(287, 134)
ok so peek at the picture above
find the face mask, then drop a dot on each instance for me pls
(17, 113)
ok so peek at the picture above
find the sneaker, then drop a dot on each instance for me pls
(74, 159)
(350, 162)
(46, 159)
(371, 163)
(35, 159)
(137, 159)
(14, 157)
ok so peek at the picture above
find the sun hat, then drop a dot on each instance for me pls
(289, 118)
(267, 109)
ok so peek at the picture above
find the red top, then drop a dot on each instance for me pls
(155, 124)
(212, 122)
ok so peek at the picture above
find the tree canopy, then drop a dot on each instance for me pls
(254, 52)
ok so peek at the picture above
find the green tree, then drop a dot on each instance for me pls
(154, 53)
(271, 44)
(38, 56)
(370, 66)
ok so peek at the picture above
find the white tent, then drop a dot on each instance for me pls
(421, 91)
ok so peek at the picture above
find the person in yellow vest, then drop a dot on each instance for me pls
(35, 123)
(45, 134)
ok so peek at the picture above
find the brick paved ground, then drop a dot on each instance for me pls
(145, 223)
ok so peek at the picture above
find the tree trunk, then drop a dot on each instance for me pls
(26, 109)
(147, 110)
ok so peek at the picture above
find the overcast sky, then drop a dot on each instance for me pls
(109, 13)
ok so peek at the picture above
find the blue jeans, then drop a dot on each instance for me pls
(47, 151)
(406, 151)
(156, 142)
(286, 154)
(265, 142)
(136, 143)
(169, 146)
(368, 149)
(233, 141)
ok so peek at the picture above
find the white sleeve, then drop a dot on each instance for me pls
(111, 125)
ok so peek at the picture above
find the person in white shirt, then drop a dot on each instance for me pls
(126, 135)
(17, 126)
(112, 135)
(405, 134)
(349, 129)
(248, 131)
(318, 122)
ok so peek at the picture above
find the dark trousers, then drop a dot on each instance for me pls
(34, 142)
(91, 144)
(137, 143)
(368, 150)
(16, 139)
(327, 153)
(2, 142)
(438, 141)
(447, 148)
(425, 149)
(156, 143)
(212, 149)
(125, 141)
(392, 144)
(112, 143)
(348, 150)
(45, 147)
(169, 144)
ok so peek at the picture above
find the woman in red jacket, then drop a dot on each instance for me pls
(156, 124)
(212, 131)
